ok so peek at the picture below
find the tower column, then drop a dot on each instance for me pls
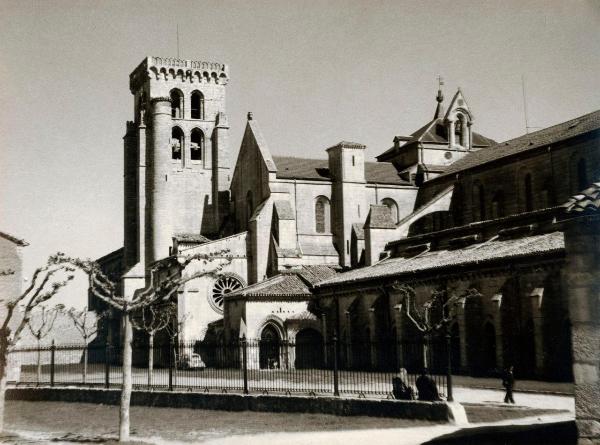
(158, 212)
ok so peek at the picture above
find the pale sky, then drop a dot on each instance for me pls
(312, 72)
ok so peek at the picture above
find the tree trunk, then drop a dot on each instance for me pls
(127, 383)
(39, 362)
(3, 378)
(150, 357)
(85, 363)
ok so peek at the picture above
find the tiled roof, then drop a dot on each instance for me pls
(318, 169)
(471, 255)
(293, 284)
(550, 135)
(283, 285)
(588, 201)
(317, 273)
(195, 238)
(380, 217)
(17, 241)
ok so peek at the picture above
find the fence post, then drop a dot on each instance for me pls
(449, 396)
(336, 389)
(52, 358)
(171, 353)
(245, 363)
(107, 365)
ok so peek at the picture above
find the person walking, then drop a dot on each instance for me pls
(508, 381)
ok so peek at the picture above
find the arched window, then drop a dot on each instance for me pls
(322, 215)
(391, 204)
(478, 203)
(176, 143)
(498, 204)
(582, 179)
(528, 191)
(197, 102)
(196, 144)
(176, 104)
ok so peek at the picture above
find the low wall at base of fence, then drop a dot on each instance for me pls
(434, 411)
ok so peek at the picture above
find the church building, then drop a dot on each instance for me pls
(312, 246)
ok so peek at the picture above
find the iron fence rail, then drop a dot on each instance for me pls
(363, 369)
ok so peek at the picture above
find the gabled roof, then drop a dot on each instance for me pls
(290, 285)
(13, 239)
(289, 167)
(430, 134)
(588, 201)
(551, 135)
(473, 255)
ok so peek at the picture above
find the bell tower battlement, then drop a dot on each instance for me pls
(169, 68)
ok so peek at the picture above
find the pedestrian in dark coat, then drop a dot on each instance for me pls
(427, 388)
(508, 381)
(401, 388)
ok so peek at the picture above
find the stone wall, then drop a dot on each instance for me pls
(433, 411)
(582, 242)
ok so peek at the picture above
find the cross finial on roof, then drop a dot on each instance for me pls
(439, 111)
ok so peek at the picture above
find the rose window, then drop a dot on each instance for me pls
(224, 285)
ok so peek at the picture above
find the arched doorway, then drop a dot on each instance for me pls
(309, 349)
(489, 348)
(270, 343)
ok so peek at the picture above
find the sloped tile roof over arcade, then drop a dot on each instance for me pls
(551, 135)
(318, 169)
(468, 256)
(290, 285)
(588, 201)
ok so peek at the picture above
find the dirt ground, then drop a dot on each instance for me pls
(64, 423)
(88, 423)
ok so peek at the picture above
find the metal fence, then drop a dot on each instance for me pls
(362, 369)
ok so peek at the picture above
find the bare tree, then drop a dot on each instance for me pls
(87, 324)
(151, 320)
(174, 330)
(46, 282)
(40, 326)
(435, 314)
(165, 278)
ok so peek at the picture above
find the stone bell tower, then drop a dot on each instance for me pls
(176, 162)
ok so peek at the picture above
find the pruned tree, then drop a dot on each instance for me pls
(174, 330)
(151, 320)
(433, 315)
(87, 324)
(166, 276)
(40, 325)
(45, 283)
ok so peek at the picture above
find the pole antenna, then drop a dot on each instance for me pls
(524, 103)
(178, 40)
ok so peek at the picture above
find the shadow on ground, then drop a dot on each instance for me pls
(558, 433)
